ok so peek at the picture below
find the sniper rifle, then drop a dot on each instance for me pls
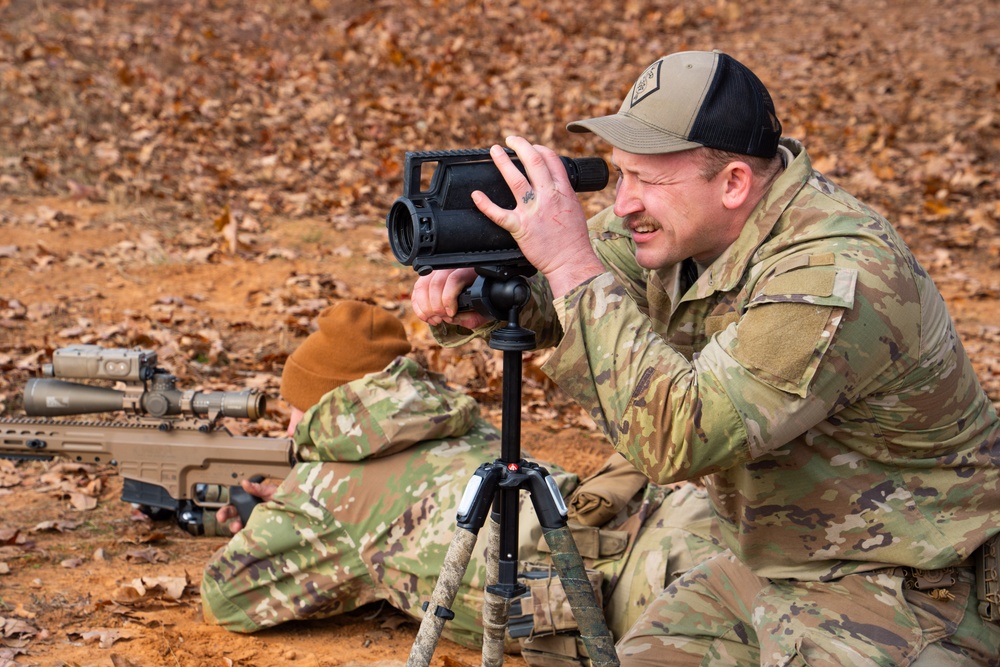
(171, 449)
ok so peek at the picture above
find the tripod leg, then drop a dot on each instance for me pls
(589, 615)
(496, 608)
(456, 562)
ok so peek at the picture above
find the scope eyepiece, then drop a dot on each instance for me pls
(438, 226)
(246, 404)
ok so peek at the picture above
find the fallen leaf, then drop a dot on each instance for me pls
(54, 525)
(151, 588)
(150, 555)
(82, 502)
(16, 629)
(105, 637)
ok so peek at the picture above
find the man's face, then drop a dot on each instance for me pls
(671, 210)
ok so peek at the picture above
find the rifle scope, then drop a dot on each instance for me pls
(438, 227)
(45, 397)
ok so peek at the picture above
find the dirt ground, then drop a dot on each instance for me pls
(140, 206)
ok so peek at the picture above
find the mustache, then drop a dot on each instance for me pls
(633, 220)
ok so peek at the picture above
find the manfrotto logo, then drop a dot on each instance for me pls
(647, 84)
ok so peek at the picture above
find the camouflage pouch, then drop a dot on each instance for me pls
(213, 528)
(561, 650)
(542, 619)
(593, 542)
(987, 560)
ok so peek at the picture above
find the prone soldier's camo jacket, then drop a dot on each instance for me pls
(371, 512)
(812, 373)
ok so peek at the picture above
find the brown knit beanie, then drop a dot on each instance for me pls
(353, 340)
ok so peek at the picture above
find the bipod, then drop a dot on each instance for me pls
(494, 490)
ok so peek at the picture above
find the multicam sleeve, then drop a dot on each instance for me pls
(652, 403)
(743, 395)
(294, 560)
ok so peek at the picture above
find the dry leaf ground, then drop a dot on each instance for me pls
(201, 177)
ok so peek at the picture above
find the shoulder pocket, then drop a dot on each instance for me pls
(790, 322)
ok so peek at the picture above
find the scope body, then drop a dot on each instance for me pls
(46, 397)
(148, 390)
(440, 227)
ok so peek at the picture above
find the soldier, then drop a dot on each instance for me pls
(388, 449)
(736, 315)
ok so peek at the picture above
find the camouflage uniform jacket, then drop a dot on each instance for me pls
(812, 373)
(370, 513)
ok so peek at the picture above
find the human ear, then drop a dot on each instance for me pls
(736, 184)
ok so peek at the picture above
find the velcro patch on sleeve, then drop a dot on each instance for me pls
(782, 339)
(822, 286)
(812, 283)
(790, 322)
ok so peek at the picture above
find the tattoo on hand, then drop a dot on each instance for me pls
(528, 196)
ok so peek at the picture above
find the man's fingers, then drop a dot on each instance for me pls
(516, 181)
(225, 513)
(441, 294)
(554, 165)
(543, 170)
(435, 296)
(456, 283)
(426, 298)
(419, 298)
(435, 302)
(518, 184)
(263, 490)
(536, 160)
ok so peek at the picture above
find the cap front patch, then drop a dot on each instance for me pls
(647, 84)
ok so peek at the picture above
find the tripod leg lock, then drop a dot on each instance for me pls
(548, 502)
(475, 504)
(440, 612)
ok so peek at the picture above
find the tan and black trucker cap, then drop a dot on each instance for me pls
(691, 99)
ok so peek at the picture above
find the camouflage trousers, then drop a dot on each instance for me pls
(720, 613)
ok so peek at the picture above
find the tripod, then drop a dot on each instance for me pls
(498, 294)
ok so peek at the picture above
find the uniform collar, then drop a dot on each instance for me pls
(726, 272)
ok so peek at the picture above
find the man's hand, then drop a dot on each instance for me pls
(229, 513)
(548, 223)
(435, 298)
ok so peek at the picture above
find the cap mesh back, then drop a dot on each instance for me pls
(737, 114)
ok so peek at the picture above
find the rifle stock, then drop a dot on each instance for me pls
(162, 467)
